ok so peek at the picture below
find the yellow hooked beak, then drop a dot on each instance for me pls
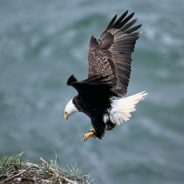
(66, 115)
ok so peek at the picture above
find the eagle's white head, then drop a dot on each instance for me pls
(70, 109)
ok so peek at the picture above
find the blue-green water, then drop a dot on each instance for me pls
(43, 42)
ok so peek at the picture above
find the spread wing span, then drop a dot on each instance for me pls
(110, 55)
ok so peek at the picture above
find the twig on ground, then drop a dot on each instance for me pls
(16, 175)
(56, 172)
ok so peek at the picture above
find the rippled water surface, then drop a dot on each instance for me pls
(43, 42)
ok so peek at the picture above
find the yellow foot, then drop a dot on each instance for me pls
(90, 133)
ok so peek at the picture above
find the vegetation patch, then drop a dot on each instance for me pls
(14, 170)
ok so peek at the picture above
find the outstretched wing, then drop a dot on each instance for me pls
(110, 55)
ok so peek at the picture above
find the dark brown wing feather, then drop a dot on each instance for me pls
(110, 55)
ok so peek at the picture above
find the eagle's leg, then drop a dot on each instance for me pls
(90, 133)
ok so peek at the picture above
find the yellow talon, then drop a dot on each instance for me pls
(90, 133)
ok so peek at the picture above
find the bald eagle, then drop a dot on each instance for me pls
(101, 95)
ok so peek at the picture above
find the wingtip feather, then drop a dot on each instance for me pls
(71, 80)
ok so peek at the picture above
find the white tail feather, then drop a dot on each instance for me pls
(122, 107)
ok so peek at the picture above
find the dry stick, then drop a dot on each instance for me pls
(66, 179)
(46, 163)
(16, 175)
